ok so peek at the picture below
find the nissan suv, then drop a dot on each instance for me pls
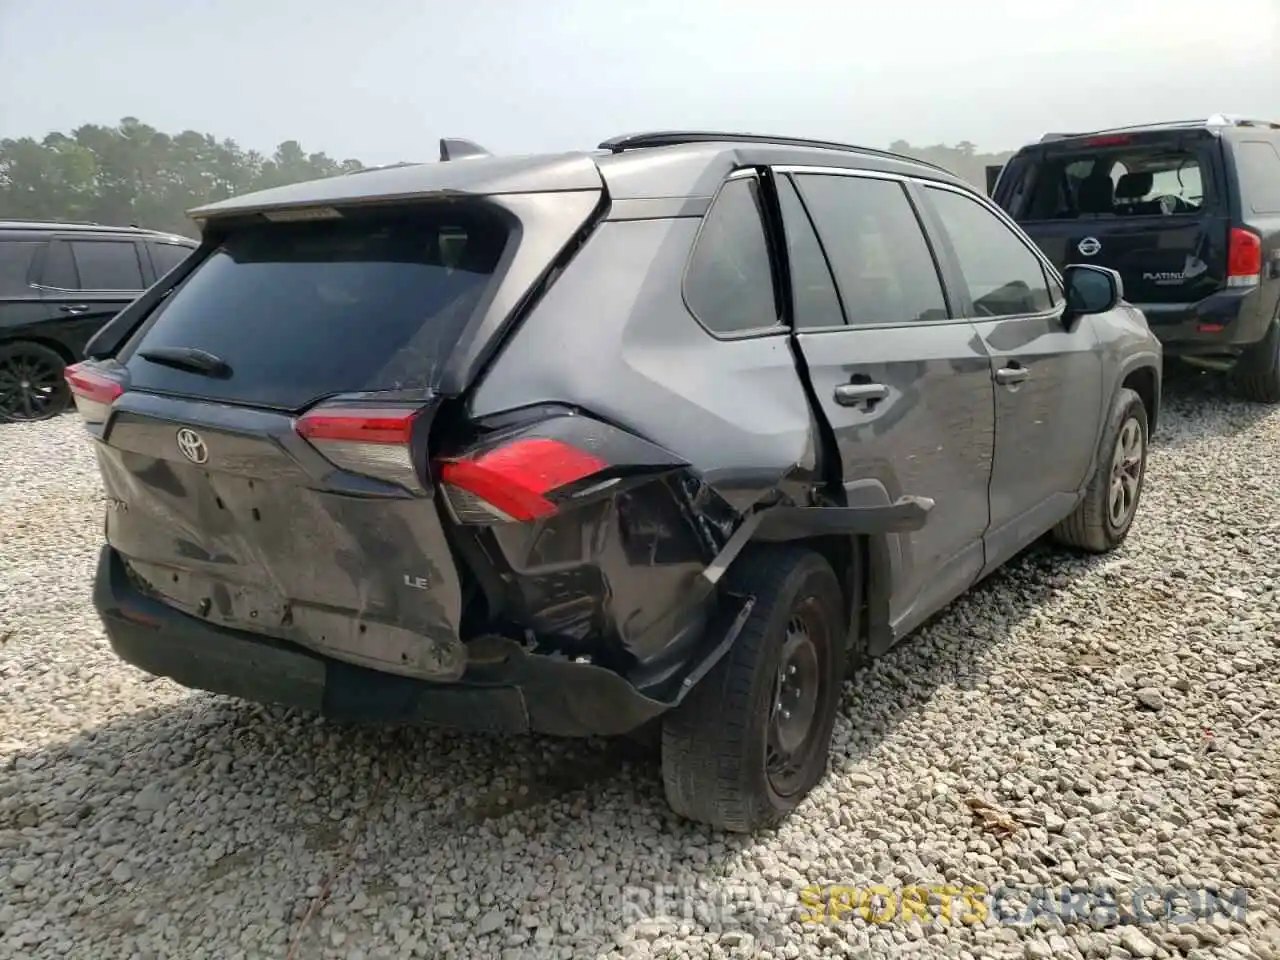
(1188, 213)
(666, 434)
(59, 283)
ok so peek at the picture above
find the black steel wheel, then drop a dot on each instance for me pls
(790, 741)
(751, 740)
(31, 383)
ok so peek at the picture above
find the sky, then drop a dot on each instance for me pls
(383, 80)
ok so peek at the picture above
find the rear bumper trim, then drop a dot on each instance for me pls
(1221, 323)
(505, 689)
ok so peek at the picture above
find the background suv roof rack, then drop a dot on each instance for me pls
(52, 223)
(668, 138)
(1217, 120)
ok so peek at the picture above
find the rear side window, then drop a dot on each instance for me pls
(16, 257)
(882, 262)
(1259, 165)
(166, 256)
(300, 311)
(1004, 277)
(107, 265)
(729, 282)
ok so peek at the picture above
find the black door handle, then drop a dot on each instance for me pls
(854, 394)
(1008, 376)
(74, 308)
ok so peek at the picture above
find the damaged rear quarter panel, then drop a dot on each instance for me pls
(613, 338)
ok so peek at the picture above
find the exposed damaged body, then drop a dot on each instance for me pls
(671, 432)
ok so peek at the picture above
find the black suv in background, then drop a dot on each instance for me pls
(59, 283)
(1188, 213)
(671, 429)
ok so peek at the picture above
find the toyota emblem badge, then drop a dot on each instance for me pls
(192, 446)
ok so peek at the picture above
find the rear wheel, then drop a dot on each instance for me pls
(752, 739)
(1103, 518)
(1257, 372)
(31, 384)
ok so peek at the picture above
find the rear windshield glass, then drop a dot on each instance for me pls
(1138, 181)
(299, 311)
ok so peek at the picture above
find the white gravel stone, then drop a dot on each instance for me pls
(138, 819)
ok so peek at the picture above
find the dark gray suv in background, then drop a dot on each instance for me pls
(59, 283)
(673, 431)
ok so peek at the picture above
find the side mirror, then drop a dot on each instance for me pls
(1091, 289)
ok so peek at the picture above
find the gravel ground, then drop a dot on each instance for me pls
(1119, 716)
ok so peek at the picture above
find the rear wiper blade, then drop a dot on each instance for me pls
(188, 358)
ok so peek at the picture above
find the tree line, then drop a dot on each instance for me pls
(133, 173)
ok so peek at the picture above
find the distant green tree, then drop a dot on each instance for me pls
(963, 159)
(133, 173)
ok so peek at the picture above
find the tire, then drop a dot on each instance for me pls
(31, 384)
(715, 761)
(1257, 372)
(1095, 526)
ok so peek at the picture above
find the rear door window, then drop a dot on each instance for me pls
(300, 311)
(815, 302)
(16, 259)
(107, 265)
(881, 259)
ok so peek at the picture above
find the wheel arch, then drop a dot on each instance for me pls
(1143, 378)
(49, 343)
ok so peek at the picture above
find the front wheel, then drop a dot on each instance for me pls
(1102, 520)
(31, 384)
(753, 737)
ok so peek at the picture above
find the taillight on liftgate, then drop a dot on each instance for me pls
(1244, 258)
(93, 392)
(511, 482)
(372, 441)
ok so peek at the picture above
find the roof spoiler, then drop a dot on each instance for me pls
(453, 148)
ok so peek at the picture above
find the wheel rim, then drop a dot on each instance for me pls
(797, 691)
(31, 387)
(1126, 473)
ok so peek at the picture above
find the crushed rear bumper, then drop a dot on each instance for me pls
(505, 689)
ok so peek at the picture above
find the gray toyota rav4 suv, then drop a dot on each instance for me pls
(669, 432)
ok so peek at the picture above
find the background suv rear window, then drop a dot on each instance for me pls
(304, 310)
(1145, 181)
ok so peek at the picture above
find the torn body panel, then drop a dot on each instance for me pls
(613, 336)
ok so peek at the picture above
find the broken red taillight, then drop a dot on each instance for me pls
(372, 441)
(93, 392)
(511, 482)
(500, 484)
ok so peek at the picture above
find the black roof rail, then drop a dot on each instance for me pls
(670, 138)
(64, 223)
